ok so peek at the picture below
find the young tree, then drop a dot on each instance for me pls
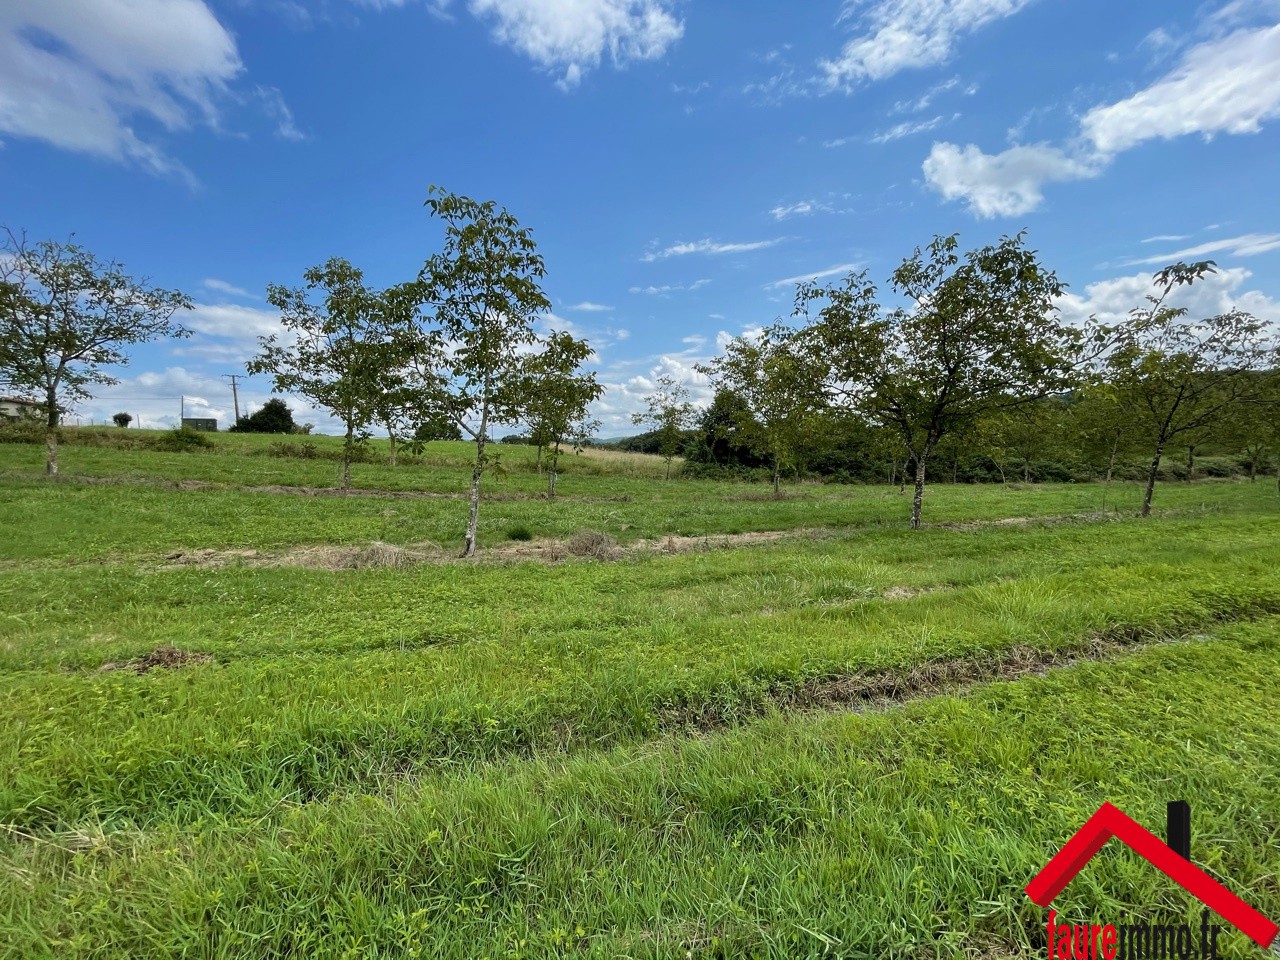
(122, 419)
(976, 334)
(782, 387)
(1024, 433)
(483, 291)
(670, 413)
(396, 408)
(559, 395)
(1253, 427)
(1100, 427)
(339, 352)
(65, 315)
(1173, 377)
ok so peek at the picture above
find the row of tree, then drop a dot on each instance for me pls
(975, 347)
(972, 350)
(456, 345)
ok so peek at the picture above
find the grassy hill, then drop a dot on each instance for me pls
(245, 717)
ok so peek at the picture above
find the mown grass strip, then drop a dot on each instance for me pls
(73, 523)
(237, 738)
(899, 833)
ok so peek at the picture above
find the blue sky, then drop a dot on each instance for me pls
(681, 162)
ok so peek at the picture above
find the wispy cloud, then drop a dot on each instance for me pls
(670, 288)
(1167, 238)
(1247, 245)
(925, 100)
(906, 129)
(711, 247)
(1227, 84)
(586, 306)
(816, 275)
(898, 35)
(221, 286)
(800, 208)
(273, 104)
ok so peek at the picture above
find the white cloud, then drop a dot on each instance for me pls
(1005, 184)
(897, 35)
(81, 74)
(273, 104)
(221, 286)
(1229, 85)
(708, 247)
(575, 35)
(225, 332)
(1167, 238)
(816, 275)
(670, 288)
(1248, 245)
(906, 129)
(922, 102)
(799, 209)
(1111, 300)
(586, 306)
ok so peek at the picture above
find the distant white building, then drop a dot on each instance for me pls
(19, 408)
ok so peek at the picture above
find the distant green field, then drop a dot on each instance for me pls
(660, 755)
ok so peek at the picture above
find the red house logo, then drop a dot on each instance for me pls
(1172, 859)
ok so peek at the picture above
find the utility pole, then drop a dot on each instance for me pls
(235, 396)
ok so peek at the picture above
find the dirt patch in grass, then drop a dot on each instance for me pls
(1023, 521)
(590, 544)
(376, 555)
(161, 658)
(901, 593)
(881, 689)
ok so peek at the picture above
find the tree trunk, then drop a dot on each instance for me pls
(1151, 480)
(1026, 471)
(1111, 461)
(473, 521)
(346, 460)
(51, 451)
(668, 470)
(1253, 470)
(392, 437)
(553, 466)
(539, 459)
(918, 500)
(1191, 461)
(51, 436)
(955, 470)
(777, 477)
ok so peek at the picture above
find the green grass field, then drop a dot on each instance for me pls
(849, 740)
